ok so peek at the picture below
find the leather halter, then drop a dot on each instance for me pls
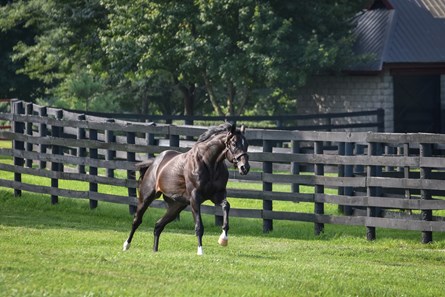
(235, 158)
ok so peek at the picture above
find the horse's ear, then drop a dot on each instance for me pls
(242, 129)
(233, 128)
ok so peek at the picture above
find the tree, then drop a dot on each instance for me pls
(13, 85)
(64, 44)
(171, 56)
(142, 49)
(230, 46)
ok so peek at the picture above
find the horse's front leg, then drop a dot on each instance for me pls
(224, 239)
(195, 204)
(221, 199)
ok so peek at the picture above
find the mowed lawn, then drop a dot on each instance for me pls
(70, 250)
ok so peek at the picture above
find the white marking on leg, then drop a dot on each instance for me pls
(200, 251)
(126, 246)
(223, 239)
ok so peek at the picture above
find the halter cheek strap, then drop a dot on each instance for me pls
(222, 156)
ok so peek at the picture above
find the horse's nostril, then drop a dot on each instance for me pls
(244, 169)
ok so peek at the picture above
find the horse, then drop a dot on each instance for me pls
(191, 178)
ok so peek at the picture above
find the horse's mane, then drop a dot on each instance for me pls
(214, 130)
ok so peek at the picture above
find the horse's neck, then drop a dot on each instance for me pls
(214, 150)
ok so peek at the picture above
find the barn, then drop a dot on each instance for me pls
(404, 73)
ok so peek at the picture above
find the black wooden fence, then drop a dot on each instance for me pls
(374, 179)
(370, 120)
(4, 103)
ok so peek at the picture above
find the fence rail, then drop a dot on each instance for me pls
(370, 177)
(372, 120)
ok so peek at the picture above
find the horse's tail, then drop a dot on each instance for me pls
(142, 167)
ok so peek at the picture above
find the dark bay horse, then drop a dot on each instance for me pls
(191, 178)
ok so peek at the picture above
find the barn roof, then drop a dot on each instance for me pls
(401, 32)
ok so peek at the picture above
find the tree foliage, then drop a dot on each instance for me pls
(180, 56)
(64, 45)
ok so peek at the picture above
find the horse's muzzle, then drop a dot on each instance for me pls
(243, 167)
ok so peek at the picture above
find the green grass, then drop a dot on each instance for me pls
(5, 144)
(70, 250)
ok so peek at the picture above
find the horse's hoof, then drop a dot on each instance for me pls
(223, 241)
(200, 251)
(126, 246)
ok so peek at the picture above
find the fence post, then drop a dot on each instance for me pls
(319, 189)
(18, 128)
(348, 172)
(359, 150)
(329, 124)
(174, 142)
(378, 172)
(380, 120)
(188, 121)
(56, 150)
(345, 149)
(425, 173)
(341, 173)
(110, 154)
(371, 191)
(81, 151)
(295, 167)
(406, 172)
(43, 132)
(131, 174)
(390, 150)
(267, 186)
(29, 146)
(93, 169)
(150, 141)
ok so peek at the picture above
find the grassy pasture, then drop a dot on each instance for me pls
(69, 250)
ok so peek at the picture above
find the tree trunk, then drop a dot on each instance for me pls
(189, 98)
(245, 96)
(145, 102)
(212, 96)
(231, 93)
(87, 104)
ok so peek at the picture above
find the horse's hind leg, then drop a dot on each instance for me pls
(195, 204)
(137, 219)
(174, 208)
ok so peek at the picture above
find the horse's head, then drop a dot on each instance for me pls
(236, 145)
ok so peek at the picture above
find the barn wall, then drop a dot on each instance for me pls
(345, 93)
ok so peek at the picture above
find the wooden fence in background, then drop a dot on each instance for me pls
(369, 120)
(6, 102)
(370, 176)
